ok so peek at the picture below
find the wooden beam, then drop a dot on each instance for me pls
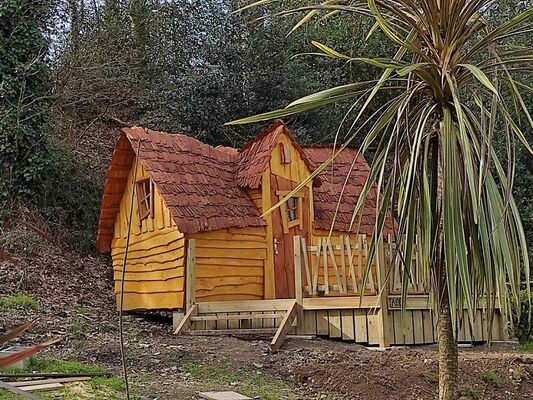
(298, 283)
(190, 295)
(337, 303)
(244, 305)
(233, 317)
(306, 264)
(231, 332)
(385, 332)
(186, 322)
(284, 327)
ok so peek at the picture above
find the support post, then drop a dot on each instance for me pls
(190, 295)
(381, 266)
(298, 283)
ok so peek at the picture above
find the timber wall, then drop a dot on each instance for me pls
(230, 264)
(155, 264)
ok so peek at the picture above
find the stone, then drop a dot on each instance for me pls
(223, 396)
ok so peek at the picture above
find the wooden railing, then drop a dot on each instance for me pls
(336, 266)
(417, 283)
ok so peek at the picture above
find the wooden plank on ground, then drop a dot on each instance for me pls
(284, 327)
(52, 380)
(46, 386)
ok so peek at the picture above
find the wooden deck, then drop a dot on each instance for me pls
(338, 311)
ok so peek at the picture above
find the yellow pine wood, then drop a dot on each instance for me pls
(149, 240)
(167, 254)
(143, 265)
(154, 271)
(141, 276)
(206, 262)
(173, 284)
(151, 301)
(254, 254)
(226, 235)
(207, 271)
(230, 244)
(223, 297)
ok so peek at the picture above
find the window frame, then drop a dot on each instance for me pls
(144, 211)
(285, 153)
(299, 220)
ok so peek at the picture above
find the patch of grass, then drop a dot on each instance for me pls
(112, 383)
(20, 301)
(430, 377)
(79, 327)
(526, 347)
(48, 364)
(492, 377)
(83, 310)
(109, 388)
(467, 394)
(247, 382)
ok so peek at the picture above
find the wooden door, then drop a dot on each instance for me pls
(289, 220)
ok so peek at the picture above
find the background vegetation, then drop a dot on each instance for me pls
(73, 72)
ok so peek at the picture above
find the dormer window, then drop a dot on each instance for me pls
(145, 198)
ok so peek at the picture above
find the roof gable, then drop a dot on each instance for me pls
(255, 155)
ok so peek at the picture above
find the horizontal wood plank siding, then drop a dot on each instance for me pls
(154, 277)
(230, 264)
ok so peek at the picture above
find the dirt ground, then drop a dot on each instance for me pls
(76, 302)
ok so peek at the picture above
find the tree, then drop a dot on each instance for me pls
(24, 150)
(448, 187)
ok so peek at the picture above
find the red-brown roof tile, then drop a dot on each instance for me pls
(255, 155)
(196, 181)
(326, 197)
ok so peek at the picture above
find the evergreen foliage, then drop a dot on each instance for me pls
(24, 95)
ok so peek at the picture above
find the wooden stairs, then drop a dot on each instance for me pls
(253, 317)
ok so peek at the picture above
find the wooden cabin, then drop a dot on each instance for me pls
(198, 244)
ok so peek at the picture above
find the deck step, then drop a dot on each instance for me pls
(236, 317)
(229, 332)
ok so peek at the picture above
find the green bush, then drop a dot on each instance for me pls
(523, 329)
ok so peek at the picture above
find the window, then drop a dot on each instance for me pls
(293, 210)
(145, 199)
(291, 207)
(285, 153)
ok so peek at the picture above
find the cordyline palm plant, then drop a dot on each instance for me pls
(435, 165)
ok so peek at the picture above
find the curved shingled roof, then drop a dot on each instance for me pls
(204, 186)
(333, 177)
(196, 181)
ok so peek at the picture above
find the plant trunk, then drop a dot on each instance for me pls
(448, 354)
